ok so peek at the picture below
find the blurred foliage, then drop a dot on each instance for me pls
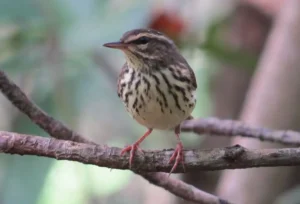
(17, 10)
(93, 181)
(214, 46)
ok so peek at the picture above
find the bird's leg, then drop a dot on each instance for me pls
(178, 152)
(132, 148)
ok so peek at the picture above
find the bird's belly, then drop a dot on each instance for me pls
(154, 115)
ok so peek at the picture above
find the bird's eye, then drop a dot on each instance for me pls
(142, 40)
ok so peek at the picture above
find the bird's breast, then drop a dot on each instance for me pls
(156, 100)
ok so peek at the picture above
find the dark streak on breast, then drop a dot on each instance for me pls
(171, 92)
(155, 78)
(147, 83)
(135, 103)
(142, 99)
(132, 77)
(127, 96)
(161, 106)
(182, 91)
(136, 87)
(162, 95)
(120, 93)
(176, 101)
(166, 81)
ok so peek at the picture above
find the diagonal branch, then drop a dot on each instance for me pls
(58, 130)
(215, 126)
(43, 120)
(235, 157)
(182, 189)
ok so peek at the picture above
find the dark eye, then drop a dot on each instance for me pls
(142, 40)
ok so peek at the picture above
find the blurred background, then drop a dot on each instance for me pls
(53, 50)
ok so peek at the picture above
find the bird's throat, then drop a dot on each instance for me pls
(134, 62)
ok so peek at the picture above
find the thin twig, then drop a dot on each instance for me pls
(215, 126)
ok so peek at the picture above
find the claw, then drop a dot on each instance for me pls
(140, 150)
(131, 149)
(178, 157)
(135, 146)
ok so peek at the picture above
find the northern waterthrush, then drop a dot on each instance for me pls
(156, 84)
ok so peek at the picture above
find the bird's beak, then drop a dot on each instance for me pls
(116, 45)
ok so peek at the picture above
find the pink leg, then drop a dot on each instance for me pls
(178, 153)
(132, 148)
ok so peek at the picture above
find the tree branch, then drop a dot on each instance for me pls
(214, 126)
(58, 130)
(235, 157)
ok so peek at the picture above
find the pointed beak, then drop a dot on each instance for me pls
(116, 45)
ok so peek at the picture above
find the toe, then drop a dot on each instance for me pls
(178, 157)
(126, 149)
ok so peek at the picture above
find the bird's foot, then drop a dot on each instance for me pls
(178, 157)
(131, 148)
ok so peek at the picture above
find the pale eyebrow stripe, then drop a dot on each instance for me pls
(161, 37)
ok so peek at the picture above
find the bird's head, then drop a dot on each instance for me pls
(146, 49)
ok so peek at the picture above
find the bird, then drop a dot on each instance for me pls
(156, 85)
